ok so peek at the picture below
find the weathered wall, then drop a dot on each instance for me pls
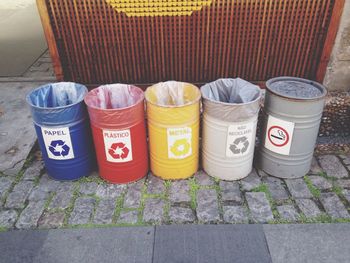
(338, 72)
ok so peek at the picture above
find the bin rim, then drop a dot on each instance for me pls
(233, 104)
(321, 87)
(197, 99)
(142, 98)
(55, 108)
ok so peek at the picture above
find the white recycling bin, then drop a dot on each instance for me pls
(230, 115)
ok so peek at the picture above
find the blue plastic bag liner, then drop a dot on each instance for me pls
(231, 100)
(63, 129)
(58, 103)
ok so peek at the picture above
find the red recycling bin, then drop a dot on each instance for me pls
(118, 126)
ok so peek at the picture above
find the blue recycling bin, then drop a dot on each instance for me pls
(63, 129)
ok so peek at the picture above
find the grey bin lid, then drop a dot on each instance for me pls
(231, 100)
(296, 88)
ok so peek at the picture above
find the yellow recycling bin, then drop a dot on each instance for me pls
(173, 129)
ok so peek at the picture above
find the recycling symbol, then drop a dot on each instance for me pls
(240, 145)
(59, 148)
(180, 147)
(119, 151)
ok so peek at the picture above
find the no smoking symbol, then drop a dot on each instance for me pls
(278, 136)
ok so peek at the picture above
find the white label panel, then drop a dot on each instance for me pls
(118, 146)
(179, 142)
(279, 135)
(58, 143)
(240, 139)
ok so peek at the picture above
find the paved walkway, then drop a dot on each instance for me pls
(31, 199)
(191, 243)
(22, 38)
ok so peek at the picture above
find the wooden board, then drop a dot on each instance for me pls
(92, 43)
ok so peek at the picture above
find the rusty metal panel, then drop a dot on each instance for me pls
(96, 42)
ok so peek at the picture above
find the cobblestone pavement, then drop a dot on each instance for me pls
(33, 200)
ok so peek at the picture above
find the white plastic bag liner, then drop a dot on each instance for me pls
(231, 100)
(173, 93)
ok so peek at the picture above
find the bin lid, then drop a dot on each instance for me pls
(296, 88)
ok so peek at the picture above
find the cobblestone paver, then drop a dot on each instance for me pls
(259, 206)
(62, 197)
(30, 215)
(320, 182)
(105, 211)
(298, 188)
(308, 208)
(207, 206)
(34, 200)
(252, 181)
(34, 171)
(88, 188)
(154, 210)
(230, 192)
(181, 215)
(128, 217)
(333, 205)
(155, 185)
(5, 184)
(288, 212)
(52, 220)
(8, 218)
(276, 188)
(82, 212)
(203, 178)
(134, 195)
(19, 195)
(180, 191)
(332, 166)
(235, 214)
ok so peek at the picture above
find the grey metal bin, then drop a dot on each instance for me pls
(292, 115)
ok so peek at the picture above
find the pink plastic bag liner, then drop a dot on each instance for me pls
(115, 105)
(115, 96)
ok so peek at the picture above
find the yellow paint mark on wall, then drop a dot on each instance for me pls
(158, 7)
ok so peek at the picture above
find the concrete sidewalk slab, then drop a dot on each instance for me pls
(309, 243)
(210, 243)
(78, 245)
(22, 39)
(17, 134)
(180, 243)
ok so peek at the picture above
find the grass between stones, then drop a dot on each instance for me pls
(314, 191)
(338, 190)
(70, 208)
(194, 187)
(142, 203)
(118, 208)
(167, 185)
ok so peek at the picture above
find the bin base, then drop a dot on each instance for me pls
(284, 171)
